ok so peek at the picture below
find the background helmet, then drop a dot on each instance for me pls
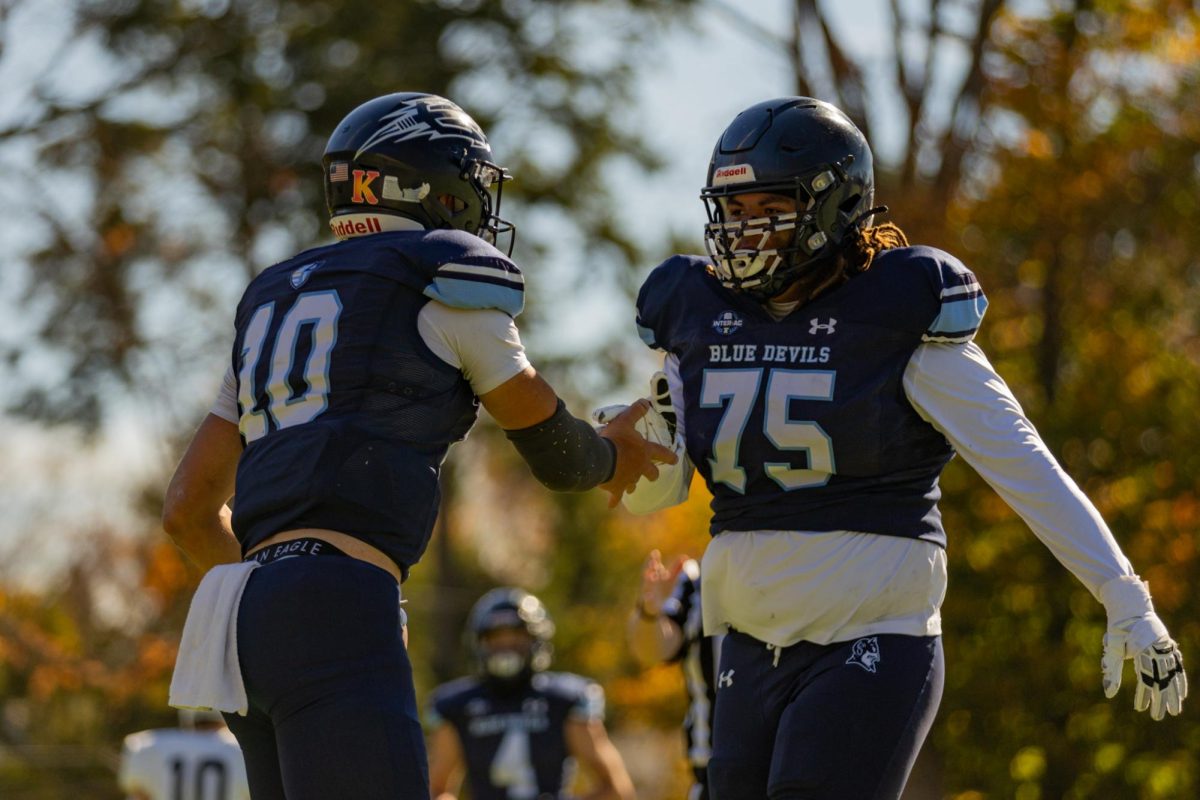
(390, 162)
(799, 147)
(509, 607)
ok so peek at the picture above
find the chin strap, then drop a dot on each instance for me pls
(870, 212)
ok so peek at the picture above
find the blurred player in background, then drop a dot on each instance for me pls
(515, 730)
(823, 373)
(666, 626)
(354, 367)
(199, 760)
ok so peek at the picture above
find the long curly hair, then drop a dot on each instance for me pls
(857, 254)
(861, 249)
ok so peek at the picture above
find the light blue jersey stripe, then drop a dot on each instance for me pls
(959, 316)
(647, 336)
(476, 294)
(469, 271)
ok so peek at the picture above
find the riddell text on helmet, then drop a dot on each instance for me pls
(738, 173)
(355, 227)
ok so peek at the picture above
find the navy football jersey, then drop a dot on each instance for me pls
(513, 743)
(345, 413)
(802, 423)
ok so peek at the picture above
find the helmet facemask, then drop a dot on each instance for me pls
(743, 263)
(510, 659)
(802, 149)
(482, 176)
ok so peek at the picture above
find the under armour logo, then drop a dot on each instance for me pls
(725, 679)
(816, 325)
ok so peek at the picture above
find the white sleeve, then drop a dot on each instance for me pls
(482, 343)
(956, 390)
(225, 406)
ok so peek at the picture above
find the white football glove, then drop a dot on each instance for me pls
(658, 425)
(1136, 632)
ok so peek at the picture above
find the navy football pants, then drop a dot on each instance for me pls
(333, 711)
(842, 721)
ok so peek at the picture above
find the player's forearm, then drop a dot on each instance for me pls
(589, 744)
(196, 506)
(206, 540)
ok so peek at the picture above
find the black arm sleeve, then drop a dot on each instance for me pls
(565, 453)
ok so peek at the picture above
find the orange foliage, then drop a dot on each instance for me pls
(676, 531)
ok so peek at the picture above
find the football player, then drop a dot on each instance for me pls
(823, 372)
(354, 366)
(199, 760)
(515, 730)
(666, 626)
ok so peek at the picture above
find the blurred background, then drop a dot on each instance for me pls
(158, 153)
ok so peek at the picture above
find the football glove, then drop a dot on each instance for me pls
(1136, 632)
(658, 426)
(660, 400)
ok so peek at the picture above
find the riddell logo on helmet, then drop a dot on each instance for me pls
(738, 173)
(355, 227)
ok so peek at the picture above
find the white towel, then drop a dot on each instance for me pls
(207, 675)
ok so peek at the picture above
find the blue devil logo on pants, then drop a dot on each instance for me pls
(865, 653)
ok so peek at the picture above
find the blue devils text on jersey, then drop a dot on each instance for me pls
(345, 413)
(802, 423)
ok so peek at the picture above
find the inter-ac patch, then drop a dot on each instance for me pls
(727, 322)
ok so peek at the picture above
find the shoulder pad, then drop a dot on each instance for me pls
(928, 292)
(659, 294)
(962, 302)
(450, 694)
(584, 696)
(470, 273)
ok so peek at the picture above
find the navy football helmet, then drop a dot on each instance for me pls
(509, 607)
(801, 148)
(412, 160)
